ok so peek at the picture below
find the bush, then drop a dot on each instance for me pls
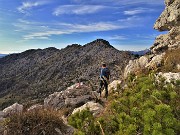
(37, 122)
(171, 61)
(84, 122)
(148, 108)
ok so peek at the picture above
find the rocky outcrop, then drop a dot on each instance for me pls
(1, 114)
(169, 77)
(69, 98)
(168, 41)
(170, 17)
(78, 100)
(155, 62)
(169, 20)
(135, 66)
(35, 107)
(144, 62)
(93, 107)
(15, 108)
(178, 66)
(113, 85)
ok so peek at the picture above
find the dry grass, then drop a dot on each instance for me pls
(171, 60)
(39, 122)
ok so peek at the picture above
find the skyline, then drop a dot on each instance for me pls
(33, 24)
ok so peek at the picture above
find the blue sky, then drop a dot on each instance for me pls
(32, 24)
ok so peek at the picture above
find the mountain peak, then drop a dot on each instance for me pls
(73, 46)
(100, 42)
(51, 49)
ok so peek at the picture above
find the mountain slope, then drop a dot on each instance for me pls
(34, 74)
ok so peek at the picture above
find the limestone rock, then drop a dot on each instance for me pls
(156, 61)
(178, 66)
(95, 108)
(53, 100)
(74, 97)
(76, 85)
(80, 100)
(136, 65)
(113, 85)
(169, 76)
(168, 41)
(1, 114)
(144, 62)
(169, 20)
(35, 107)
(15, 108)
(170, 17)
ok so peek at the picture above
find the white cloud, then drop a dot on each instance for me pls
(45, 35)
(117, 37)
(37, 30)
(78, 9)
(133, 21)
(137, 11)
(66, 28)
(133, 12)
(100, 26)
(26, 6)
(35, 37)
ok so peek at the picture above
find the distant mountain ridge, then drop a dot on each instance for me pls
(2, 55)
(34, 74)
(142, 52)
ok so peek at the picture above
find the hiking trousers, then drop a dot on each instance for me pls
(103, 83)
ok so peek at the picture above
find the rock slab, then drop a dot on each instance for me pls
(95, 108)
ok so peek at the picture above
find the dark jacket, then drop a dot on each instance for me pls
(104, 72)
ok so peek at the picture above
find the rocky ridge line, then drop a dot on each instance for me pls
(169, 20)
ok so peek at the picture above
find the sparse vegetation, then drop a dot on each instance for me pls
(39, 122)
(171, 60)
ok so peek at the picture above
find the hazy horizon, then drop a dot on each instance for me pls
(33, 24)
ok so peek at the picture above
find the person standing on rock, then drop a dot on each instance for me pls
(104, 79)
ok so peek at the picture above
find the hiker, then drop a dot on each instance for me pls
(104, 79)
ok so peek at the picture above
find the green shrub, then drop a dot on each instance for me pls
(110, 124)
(84, 122)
